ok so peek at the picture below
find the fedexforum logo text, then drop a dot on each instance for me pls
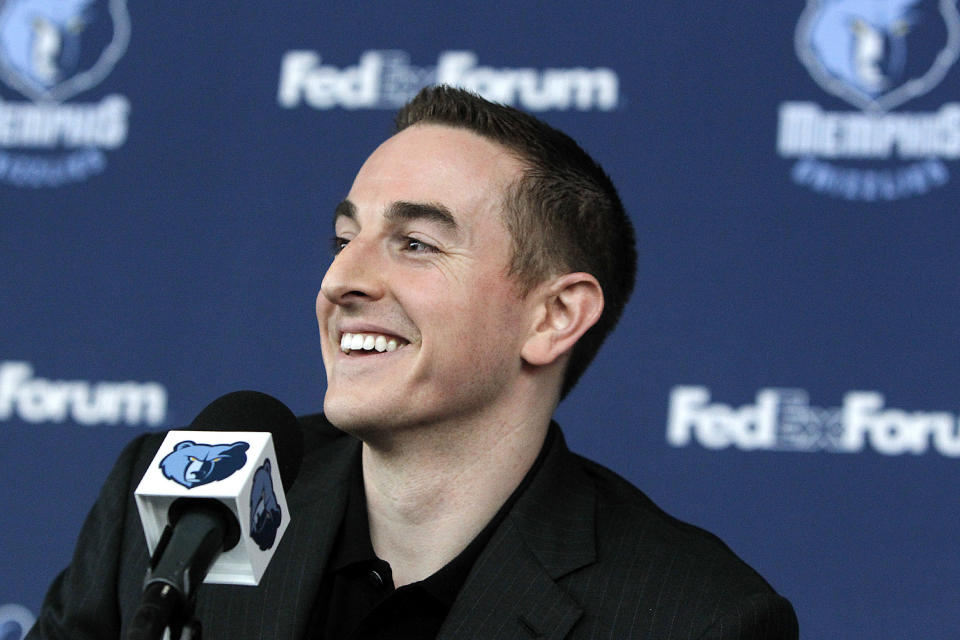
(784, 420)
(875, 56)
(387, 79)
(39, 400)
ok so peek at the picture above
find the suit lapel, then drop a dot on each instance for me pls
(512, 590)
(317, 510)
(281, 606)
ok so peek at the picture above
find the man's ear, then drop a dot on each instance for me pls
(564, 308)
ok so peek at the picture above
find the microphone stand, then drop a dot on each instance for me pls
(197, 536)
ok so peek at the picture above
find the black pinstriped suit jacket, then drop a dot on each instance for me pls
(583, 554)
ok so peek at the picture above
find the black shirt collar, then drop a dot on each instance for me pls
(354, 549)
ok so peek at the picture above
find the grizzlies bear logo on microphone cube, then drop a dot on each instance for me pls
(236, 468)
(192, 464)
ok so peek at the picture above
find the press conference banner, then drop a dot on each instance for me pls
(785, 375)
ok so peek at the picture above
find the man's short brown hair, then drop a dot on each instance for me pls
(563, 214)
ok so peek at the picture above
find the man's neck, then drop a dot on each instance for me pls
(431, 494)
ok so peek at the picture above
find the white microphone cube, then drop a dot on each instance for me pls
(238, 468)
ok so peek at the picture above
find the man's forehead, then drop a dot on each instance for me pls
(444, 175)
(434, 156)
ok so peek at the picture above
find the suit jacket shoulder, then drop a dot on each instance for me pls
(585, 554)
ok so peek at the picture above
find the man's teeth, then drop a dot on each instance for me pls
(367, 342)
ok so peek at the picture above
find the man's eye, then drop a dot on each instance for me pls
(337, 244)
(417, 246)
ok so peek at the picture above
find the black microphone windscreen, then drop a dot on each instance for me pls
(255, 411)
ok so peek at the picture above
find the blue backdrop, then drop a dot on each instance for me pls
(785, 374)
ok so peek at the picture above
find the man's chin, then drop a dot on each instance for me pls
(377, 424)
(354, 417)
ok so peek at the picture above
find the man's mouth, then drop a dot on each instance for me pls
(369, 342)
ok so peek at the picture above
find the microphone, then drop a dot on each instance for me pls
(213, 505)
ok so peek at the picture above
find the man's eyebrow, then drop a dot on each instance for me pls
(405, 211)
(346, 209)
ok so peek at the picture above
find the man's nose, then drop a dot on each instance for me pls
(355, 274)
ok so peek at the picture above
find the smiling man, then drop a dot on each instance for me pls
(481, 257)
(453, 417)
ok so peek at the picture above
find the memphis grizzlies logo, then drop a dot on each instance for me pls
(264, 509)
(51, 50)
(191, 464)
(877, 54)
